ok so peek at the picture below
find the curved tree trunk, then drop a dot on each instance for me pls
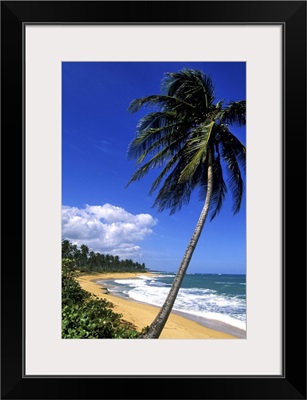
(157, 325)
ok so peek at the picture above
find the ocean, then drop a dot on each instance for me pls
(216, 300)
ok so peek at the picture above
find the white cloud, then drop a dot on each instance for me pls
(107, 229)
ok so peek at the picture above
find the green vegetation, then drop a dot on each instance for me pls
(88, 261)
(86, 316)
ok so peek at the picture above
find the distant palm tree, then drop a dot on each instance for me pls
(187, 138)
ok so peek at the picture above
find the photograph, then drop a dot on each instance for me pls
(153, 187)
(150, 153)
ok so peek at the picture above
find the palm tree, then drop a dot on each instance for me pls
(187, 137)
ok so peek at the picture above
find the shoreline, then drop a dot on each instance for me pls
(180, 325)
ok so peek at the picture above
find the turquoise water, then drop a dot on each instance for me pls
(218, 297)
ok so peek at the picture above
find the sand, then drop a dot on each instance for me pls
(141, 315)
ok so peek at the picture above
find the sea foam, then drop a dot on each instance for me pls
(222, 300)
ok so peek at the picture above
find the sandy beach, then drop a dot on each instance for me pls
(141, 315)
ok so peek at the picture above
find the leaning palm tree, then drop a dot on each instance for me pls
(187, 137)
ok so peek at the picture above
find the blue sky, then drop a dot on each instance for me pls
(98, 209)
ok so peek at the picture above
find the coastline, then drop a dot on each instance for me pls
(179, 325)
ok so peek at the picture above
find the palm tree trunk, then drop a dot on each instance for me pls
(158, 324)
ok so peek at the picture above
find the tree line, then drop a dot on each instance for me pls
(84, 260)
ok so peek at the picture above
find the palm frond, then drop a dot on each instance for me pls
(153, 129)
(235, 180)
(192, 86)
(219, 189)
(155, 120)
(173, 193)
(238, 148)
(173, 161)
(167, 154)
(234, 113)
(152, 140)
(167, 102)
(196, 149)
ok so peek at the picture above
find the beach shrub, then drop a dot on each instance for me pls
(86, 316)
(72, 293)
(68, 266)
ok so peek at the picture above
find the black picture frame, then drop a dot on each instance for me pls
(292, 383)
